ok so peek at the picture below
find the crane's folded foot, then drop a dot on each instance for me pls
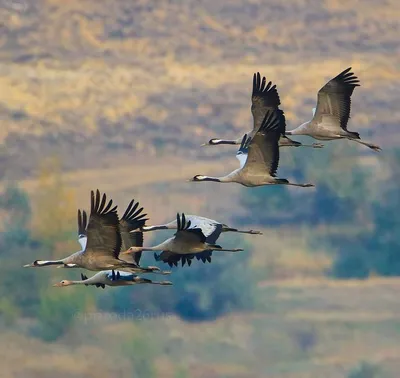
(307, 185)
(375, 148)
(166, 283)
(165, 272)
(253, 232)
(317, 145)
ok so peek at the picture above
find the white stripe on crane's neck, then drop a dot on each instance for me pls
(47, 262)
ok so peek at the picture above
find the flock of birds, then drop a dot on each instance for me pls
(113, 246)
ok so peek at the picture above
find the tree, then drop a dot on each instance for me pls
(54, 204)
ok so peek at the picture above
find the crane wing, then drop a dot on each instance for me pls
(133, 219)
(334, 100)
(186, 233)
(103, 234)
(264, 97)
(263, 149)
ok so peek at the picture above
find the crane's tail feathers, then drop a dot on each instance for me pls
(214, 246)
(353, 134)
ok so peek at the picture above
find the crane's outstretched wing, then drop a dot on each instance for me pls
(172, 259)
(263, 148)
(132, 220)
(103, 234)
(208, 226)
(334, 100)
(187, 234)
(82, 224)
(263, 98)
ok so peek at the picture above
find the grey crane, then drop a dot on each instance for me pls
(210, 228)
(186, 241)
(111, 278)
(103, 243)
(132, 220)
(332, 113)
(258, 156)
(264, 97)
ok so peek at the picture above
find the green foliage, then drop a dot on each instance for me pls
(17, 246)
(199, 292)
(142, 352)
(8, 311)
(57, 311)
(181, 372)
(346, 198)
(365, 370)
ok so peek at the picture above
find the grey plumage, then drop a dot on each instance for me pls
(332, 113)
(258, 156)
(264, 97)
(103, 239)
(111, 278)
(210, 228)
(186, 241)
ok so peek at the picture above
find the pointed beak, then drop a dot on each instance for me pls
(58, 284)
(125, 252)
(28, 265)
(204, 144)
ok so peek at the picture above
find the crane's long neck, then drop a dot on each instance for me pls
(251, 232)
(48, 262)
(215, 142)
(228, 178)
(156, 227)
(301, 130)
(164, 246)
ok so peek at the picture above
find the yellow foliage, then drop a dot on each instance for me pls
(54, 203)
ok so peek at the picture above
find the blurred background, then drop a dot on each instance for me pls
(119, 95)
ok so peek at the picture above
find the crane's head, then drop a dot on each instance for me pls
(63, 283)
(203, 178)
(215, 142)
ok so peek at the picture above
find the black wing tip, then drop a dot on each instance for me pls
(348, 77)
(98, 204)
(272, 120)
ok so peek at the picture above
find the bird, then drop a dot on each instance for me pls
(111, 278)
(258, 156)
(210, 228)
(103, 243)
(264, 97)
(332, 113)
(186, 241)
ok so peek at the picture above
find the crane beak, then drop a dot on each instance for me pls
(28, 265)
(58, 284)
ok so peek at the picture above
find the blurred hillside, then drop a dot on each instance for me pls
(119, 95)
(112, 82)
